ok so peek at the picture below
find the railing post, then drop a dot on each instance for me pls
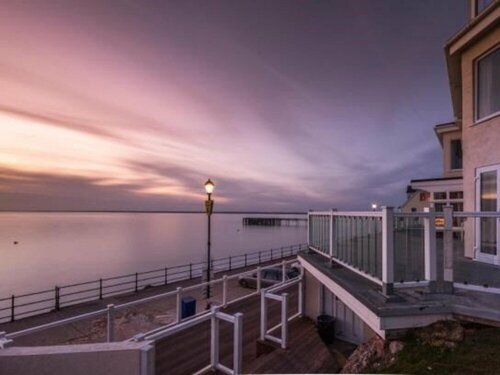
(57, 303)
(447, 284)
(214, 339)
(301, 292)
(387, 250)
(308, 228)
(166, 275)
(259, 279)
(245, 260)
(111, 323)
(283, 271)
(260, 256)
(230, 266)
(272, 254)
(178, 306)
(136, 282)
(190, 271)
(12, 308)
(430, 258)
(224, 290)
(100, 288)
(284, 321)
(263, 315)
(238, 344)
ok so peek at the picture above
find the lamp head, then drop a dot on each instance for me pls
(209, 186)
(374, 206)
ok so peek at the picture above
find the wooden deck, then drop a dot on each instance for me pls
(189, 351)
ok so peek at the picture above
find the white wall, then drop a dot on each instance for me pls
(121, 358)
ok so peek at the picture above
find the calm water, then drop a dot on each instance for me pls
(63, 248)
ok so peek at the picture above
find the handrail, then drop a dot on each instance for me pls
(177, 292)
(132, 282)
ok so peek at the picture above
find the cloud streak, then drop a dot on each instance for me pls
(286, 106)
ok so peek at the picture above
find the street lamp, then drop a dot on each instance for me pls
(209, 205)
(374, 206)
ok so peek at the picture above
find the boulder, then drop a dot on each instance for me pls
(396, 346)
(366, 356)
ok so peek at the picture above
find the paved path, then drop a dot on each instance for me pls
(128, 322)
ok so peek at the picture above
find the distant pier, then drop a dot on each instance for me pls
(275, 221)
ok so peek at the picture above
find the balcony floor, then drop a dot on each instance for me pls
(410, 306)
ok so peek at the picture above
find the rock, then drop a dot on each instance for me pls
(396, 346)
(367, 356)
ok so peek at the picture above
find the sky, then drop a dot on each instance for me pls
(285, 105)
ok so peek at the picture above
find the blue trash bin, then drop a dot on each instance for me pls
(188, 307)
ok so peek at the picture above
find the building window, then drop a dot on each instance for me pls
(488, 85)
(487, 228)
(482, 5)
(425, 196)
(440, 195)
(456, 153)
(456, 195)
(438, 207)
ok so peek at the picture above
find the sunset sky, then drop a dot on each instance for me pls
(286, 105)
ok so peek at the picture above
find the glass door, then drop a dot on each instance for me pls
(487, 229)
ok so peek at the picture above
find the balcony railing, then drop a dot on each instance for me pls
(395, 249)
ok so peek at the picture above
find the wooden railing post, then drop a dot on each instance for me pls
(430, 258)
(387, 250)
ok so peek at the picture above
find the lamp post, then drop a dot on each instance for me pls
(209, 205)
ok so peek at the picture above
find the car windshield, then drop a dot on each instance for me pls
(293, 273)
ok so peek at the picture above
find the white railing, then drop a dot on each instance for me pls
(111, 310)
(271, 293)
(215, 316)
(386, 247)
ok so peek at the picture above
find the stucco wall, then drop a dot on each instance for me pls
(312, 296)
(481, 141)
(96, 359)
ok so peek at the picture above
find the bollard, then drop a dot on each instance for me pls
(224, 290)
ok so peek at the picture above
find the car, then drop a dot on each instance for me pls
(270, 276)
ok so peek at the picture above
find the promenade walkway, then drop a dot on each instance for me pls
(129, 322)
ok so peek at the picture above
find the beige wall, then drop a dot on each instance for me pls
(447, 138)
(414, 202)
(86, 359)
(312, 296)
(481, 141)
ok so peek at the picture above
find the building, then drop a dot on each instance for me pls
(386, 271)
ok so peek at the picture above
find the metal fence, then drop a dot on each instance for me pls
(29, 304)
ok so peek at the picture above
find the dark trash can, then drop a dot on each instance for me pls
(326, 328)
(188, 307)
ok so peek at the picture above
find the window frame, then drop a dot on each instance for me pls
(478, 255)
(478, 120)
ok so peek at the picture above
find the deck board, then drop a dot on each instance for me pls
(189, 351)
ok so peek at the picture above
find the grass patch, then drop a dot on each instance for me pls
(479, 353)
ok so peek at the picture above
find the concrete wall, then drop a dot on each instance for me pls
(86, 359)
(480, 141)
